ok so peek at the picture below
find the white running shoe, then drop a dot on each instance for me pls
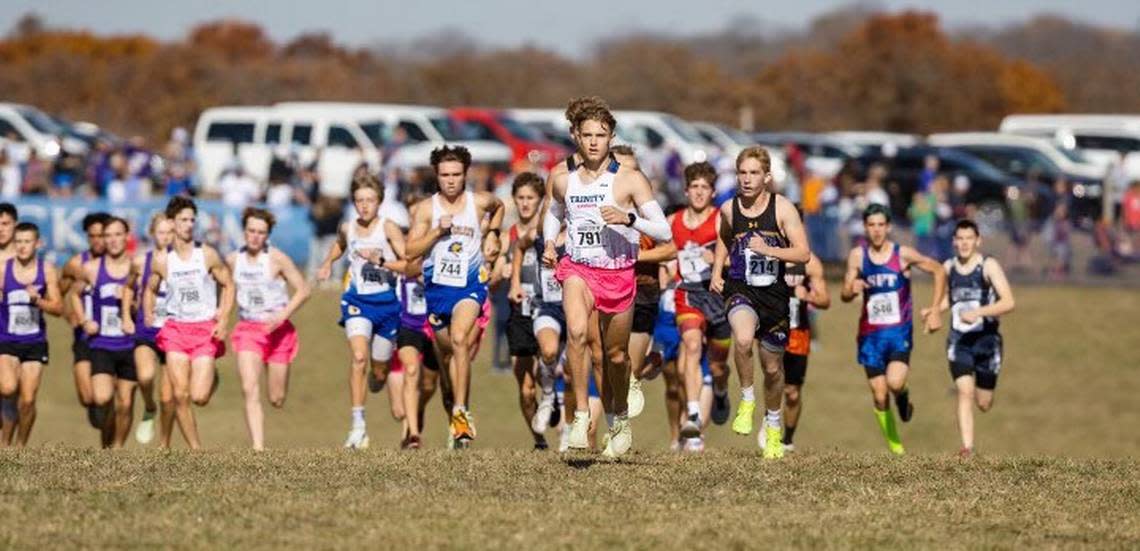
(695, 445)
(541, 420)
(357, 439)
(691, 428)
(144, 433)
(635, 400)
(564, 439)
(789, 448)
(621, 438)
(580, 432)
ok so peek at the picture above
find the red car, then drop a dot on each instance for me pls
(526, 143)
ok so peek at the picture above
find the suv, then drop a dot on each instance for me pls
(526, 143)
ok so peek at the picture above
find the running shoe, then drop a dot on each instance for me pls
(743, 422)
(462, 427)
(541, 445)
(691, 428)
(374, 383)
(357, 439)
(546, 407)
(906, 407)
(635, 400)
(721, 409)
(789, 448)
(144, 433)
(896, 448)
(655, 362)
(410, 442)
(773, 446)
(564, 439)
(695, 445)
(965, 453)
(621, 439)
(580, 432)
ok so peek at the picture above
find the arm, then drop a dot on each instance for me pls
(51, 302)
(515, 294)
(661, 252)
(1005, 304)
(652, 220)
(82, 278)
(396, 239)
(494, 207)
(224, 277)
(127, 300)
(944, 304)
(552, 215)
(789, 221)
(720, 255)
(150, 294)
(335, 252)
(422, 236)
(853, 283)
(293, 277)
(932, 316)
(818, 295)
(71, 271)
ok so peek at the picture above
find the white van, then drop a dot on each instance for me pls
(731, 142)
(24, 128)
(654, 130)
(1070, 162)
(1107, 140)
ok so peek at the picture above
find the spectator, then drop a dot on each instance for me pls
(922, 220)
(1058, 232)
(9, 177)
(178, 180)
(239, 189)
(37, 173)
(929, 172)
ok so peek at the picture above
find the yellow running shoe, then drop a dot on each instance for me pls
(743, 422)
(774, 442)
(461, 427)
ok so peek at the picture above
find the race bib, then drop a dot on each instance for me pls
(588, 240)
(956, 316)
(528, 300)
(694, 269)
(761, 270)
(110, 322)
(883, 309)
(417, 303)
(450, 270)
(551, 288)
(23, 319)
(669, 300)
(373, 279)
(160, 305)
(793, 312)
(190, 301)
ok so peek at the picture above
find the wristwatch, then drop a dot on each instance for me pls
(632, 219)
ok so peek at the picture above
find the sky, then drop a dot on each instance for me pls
(567, 27)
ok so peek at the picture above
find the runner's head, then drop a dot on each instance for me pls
(8, 218)
(451, 164)
(699, 181)
(592, 127)
(25, 239)
(184, 213)
(877, 223)
(367, 193)
(256, 224)
(967, 239)
(161, 231)
(753, 171)
(528, 190)
(93, 226)
(625, 156)
(115, 236)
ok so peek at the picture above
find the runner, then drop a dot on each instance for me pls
(264, 336)
(31, 289)
(192, 335)
(9, 411)
(598, 197)
(148, 357)
(880, 271)
(448, 229)
(81, 367)
(369, 306)
(525, 295)
(808, 288)
(113, 374)
(978, 294)
(759, 232)
(701, 317)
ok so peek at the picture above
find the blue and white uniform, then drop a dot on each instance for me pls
(369, 306)
(453, 270)
(973, 348)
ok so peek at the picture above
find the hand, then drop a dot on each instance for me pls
(275, 321)
(323, 274)
(614, 215)
(445, 224)
(708, 256)
(148, 318)
(128, 326)
(516, 295)
(969, 316)
(372, 256)
(219, 329)
(801, 292)
(858, 286)
(758, 245)
(931, 320)
(90, 327)
(549, 257)
(33, 294)
(717, 284)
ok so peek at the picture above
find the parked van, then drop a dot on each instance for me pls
(1107, 140)
(35, 130)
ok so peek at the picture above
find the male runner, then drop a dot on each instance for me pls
(81, 352)
(808, 288)
(9, 411)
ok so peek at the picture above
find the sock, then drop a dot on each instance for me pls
(772, 419)
(358, 417)
(545, 376)
(748, 394)
(789, 432)
(582, 414)
(610, 419)
(903, 398)
(457, 409)
(694, 407)
(887, 426)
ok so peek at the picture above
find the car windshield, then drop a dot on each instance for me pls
(978, 166)
(375, 132)
(520, 130)
(448, 128)
(40, 121)
(681, 127)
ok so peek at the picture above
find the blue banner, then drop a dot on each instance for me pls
(61, 224)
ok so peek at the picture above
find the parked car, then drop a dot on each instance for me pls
(526, 143)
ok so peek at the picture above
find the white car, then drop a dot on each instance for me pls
(1070, 162)
(24, 128)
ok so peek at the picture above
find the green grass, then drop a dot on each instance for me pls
(1057, 464)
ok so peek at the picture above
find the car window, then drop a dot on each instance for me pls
(414, 132)
(233, 132)
(654, 139)
(273, 133)
(475, 130)
(339, 136)
(1121, 144)
(302, 134)
(375, 130)
(7, 131)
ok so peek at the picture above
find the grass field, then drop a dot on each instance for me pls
(1057, 460)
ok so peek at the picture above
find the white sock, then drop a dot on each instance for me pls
(582, 414)
(610, 419)
(748, 394)
(358, 417)
(694, 408)
(546, 377)
(773, 418)
(456, 409)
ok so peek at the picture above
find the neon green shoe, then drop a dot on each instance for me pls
(743, 422)
(896, 448)
(774, 442)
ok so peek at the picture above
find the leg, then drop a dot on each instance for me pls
(429, 380)
(360, 346)
(410, 359)
(793, 405)
(578, 302)
(743, 322)
(896, 381)
(615, 340)
(82, 374)
(102, 395)
(249, 370)
(9, 383)
(672, 400)
(124, 409)
(278, 382)
(201, 380)
(168, 410)
(966, 396)
(146, 364)
(880, 393)
(178, 371)
(689, 368)
(30, 375)
(396, 395)
(773, 365)
(528, 403)
(463, 331)
(638, 348)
